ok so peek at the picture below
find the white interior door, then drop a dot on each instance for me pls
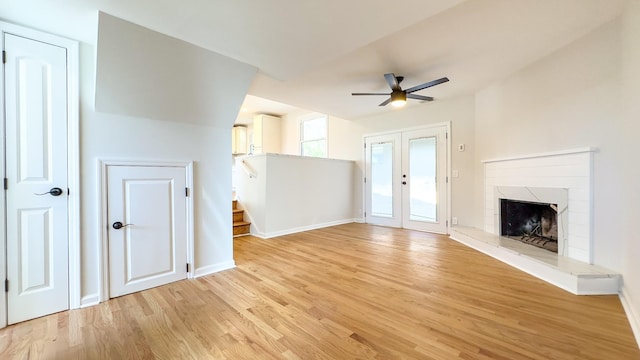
(424, 179)
(383, 185)
(36, 174)
(147, 213)
(406, 179)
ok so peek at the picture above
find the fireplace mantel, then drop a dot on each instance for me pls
(545, 154)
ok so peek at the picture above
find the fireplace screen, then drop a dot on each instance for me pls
(532, 223)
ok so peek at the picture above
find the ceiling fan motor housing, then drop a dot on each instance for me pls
(398, 95)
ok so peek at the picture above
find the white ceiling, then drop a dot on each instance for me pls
(313, 54)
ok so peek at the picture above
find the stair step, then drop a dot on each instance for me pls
(241, 228)
(238, 215)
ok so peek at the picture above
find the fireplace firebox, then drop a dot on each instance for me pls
(530, 222)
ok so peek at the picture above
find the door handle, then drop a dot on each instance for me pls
(55, 191)
(118, 225)
(404, 183)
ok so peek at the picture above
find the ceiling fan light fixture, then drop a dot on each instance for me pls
(398, 99)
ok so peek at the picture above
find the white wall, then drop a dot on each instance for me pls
(146, 74)
(344, 141)
(291, 132)
(185, 137)
(567, 100)
(627, 174)
(585, 94)
(294, 193)
(251, 186)
(112, 136)
(460, 112)
(340, 132)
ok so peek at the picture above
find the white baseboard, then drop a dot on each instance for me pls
(210, 269)
(358, 220)
(94, 299)
(89, 300)
(632, 314)
(302, 228)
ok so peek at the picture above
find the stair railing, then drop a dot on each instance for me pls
(248, 170)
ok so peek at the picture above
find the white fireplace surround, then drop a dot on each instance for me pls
(563, 178)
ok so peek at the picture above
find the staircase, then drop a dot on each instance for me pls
(240, 227)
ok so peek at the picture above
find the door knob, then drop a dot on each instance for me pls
(56, 191)
(118, 225)
(404, 183)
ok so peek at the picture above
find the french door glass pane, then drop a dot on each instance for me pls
(422, 179)
(381, 179)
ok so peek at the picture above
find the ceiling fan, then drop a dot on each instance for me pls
(398, 97)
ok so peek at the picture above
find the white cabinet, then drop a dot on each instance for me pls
(239, 140)
(266, 134)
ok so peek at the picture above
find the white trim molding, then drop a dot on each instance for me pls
(90, 300)
(283, 232)
(214, 268)
(633, 314)
(545, 154)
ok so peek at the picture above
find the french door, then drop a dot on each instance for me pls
(406, 179)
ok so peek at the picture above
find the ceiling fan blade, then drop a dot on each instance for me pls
(419, 97)
(427, 85)
(385, 102)
(392, 81)
(356, 94)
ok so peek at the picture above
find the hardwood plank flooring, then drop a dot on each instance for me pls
(347, 292)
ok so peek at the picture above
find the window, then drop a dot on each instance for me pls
(313, 137)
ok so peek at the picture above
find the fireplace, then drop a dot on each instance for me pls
(532, 223)
(533, 215)
(561, 181)
(563, 178)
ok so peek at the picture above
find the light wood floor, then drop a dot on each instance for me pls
(346, 292)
